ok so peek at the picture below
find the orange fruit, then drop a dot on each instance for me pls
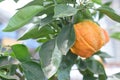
(89, 38)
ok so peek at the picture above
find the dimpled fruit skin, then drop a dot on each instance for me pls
(89, 38)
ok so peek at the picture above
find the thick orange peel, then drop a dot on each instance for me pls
(89, 38)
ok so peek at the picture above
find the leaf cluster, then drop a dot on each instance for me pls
(53, 22)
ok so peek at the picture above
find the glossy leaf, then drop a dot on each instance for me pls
(65, 67)
(33, 71)
(103, 54)
(35, 32)
(62, 10)
(101, 15)
(50, 57)
(66, 38)
(83, 68)
(22, 17)
(82, 65)
(34, 2)
(48, 3)
(43, 40)
(21, 52)
(87, 74)
(97, 1)
(49, 10)
(115, 35)
(107, 3)
(94, 66)
(109, 12)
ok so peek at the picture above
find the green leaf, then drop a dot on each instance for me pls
(117, 75)
(54, 77)
(101, 15)
(65, 67)
(64, 74)
(1, 0)
(50, 57)
(46, 20)
(86, 14)
(62, 10)
(8, 77)
(35, 32)
(66, 1)
(13, 69)
(89, 76)
(107, 3)
(89, 67)
(21, 52)
(6, 61)
(33, 71)
(82, 65)
(109, 12)
(43, 40)
(82, 15)
(78, 17)
(115, 35)
(22, 17)
(102, 77)
(97, 1)
(113, 78)
(94, 66)
(88, 5)
(49, 10)
(16, 1)
(34, 2)
(65, 39)
(103, 54)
